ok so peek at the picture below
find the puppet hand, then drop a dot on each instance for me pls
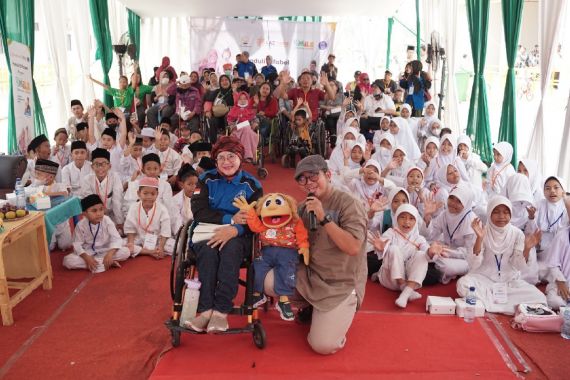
(242, 204)
(305, 253)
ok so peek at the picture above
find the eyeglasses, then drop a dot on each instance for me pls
(99, 164)
(313, 177)
(229, 157)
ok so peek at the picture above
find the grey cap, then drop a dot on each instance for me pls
(314, 163)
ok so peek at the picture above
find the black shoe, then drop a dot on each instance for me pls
(305, 315)
(285, 311)
(259, 300)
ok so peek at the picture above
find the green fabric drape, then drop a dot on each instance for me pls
(478, 119)
(389, 44)
(135, 31)
(17, 23)
(100, 21)
(512, 19)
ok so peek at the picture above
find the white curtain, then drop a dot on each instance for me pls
(79, 16)
(55, 23)
(551, 12)
(564, 158)
(161, 36)
(441, 16)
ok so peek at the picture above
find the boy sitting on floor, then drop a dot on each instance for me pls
(147, 225)
(97, 245)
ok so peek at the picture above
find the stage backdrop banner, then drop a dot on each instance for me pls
(21, 66)
(215, 43)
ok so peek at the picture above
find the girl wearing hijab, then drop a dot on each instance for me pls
(363, 87)
(414, 183)
(530, 169)
(353, 158)
(552, 216)
(401, 131)
(502, 251)
(406, 114)
(384, 144)
(398, 166)
(473, 164)
(452, 228)
(246, 134)
(404, 253)
(345, 114)
(517, 190)
(216, 105)
(336, 159)
(557, 292)
(447, 155)
(429, 152)
(501, 169)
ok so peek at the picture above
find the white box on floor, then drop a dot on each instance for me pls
(479, 307)
(42, 203)
(440, 305)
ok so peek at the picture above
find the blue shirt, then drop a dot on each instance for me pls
(248, 67)
(266, 70)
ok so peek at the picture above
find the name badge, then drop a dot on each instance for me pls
(500, 293)
(336, 110)
(150, 241)
(164, 176)
(169, 246)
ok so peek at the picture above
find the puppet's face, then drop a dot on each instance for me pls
(276, 210)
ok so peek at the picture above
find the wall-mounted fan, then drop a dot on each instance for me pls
(125, 46)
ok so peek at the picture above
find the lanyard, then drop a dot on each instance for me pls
(496, 175)
(97, 184)
(409, 241)
(553, 223)
(165, 160)
(151, 218)
(499, 263)
(61, 157)
(456, 227)
(138, 164)
(94, 235)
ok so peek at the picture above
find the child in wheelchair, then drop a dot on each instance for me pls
(300, 143)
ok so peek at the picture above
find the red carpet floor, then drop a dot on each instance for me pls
(110, 326)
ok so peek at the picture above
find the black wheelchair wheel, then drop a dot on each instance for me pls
(285, 161)
(259, 337)
(175, 338)
(262, 173)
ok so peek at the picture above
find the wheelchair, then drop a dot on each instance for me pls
(183, 267)
(319, 139)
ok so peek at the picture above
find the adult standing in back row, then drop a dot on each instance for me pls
(245, 67)
(311, 96)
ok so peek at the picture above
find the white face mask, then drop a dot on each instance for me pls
(164, 81)
(240, 105)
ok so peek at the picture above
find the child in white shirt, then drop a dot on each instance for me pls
(60, 152)
(97, 245)
(147, 225)
(169, 158)
(74, 173)
(131, 162)
(187, 181)
(501, 169)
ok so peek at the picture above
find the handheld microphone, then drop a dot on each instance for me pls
(312, 217)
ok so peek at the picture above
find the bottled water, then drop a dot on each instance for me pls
(190, 303)
(565, 331)
(20, 194)
(470, 302)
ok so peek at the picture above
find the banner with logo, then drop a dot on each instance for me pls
(21, 65)
(215, 43)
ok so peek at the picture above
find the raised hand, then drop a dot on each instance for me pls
(533, 239)
(531, 210)
(300, 102)
(380, 204)
(477, 226)
(324, 80)
(241, 203)
(157, 134)
(284, 77)
(377, 242)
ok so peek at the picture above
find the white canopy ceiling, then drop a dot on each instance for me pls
(223, 8)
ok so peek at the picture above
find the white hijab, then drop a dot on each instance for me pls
(336, 160)
(391, 194)
(499, 240)
(460, 224)
(364, 190)
(506, 150)
(552, 215)
(351, 144)
(534, 177)
(404, 138)
(414, 234)
(517, 190)
(431, 139)
(430, 131)
(441, 177)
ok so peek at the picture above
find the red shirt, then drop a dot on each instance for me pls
(269, 108)
(312, 97)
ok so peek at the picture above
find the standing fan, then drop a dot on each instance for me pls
(435, 55)
(125, 46)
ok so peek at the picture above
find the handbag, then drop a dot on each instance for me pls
(220, 110)
(536, 318)
(204, 231)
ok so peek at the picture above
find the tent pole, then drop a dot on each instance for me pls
(418, 28)
(390, 24)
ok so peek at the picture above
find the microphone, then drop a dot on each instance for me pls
(312, 217)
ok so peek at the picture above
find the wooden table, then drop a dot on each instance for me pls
(24, 261)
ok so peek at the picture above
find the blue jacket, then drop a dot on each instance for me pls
(214, 202)
(248, 67)
(266, 70)
(415, 99)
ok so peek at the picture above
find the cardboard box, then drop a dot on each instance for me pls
(440, 305)
(460, 308)
(42, 203)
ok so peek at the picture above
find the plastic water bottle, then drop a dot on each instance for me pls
(190, 303)
(470, 303)
(565, 330)
(20, 194)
